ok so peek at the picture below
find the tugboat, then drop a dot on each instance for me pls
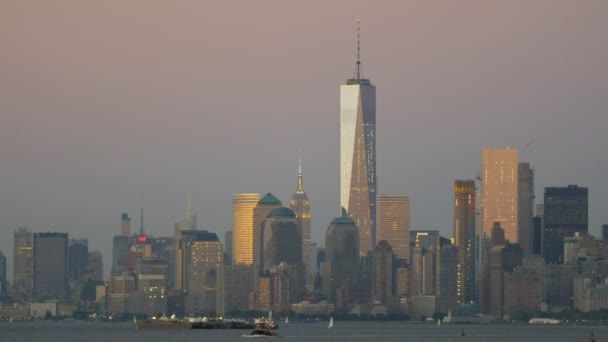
(265, 328)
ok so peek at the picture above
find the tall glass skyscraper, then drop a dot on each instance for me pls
(358, 154)
(464, 234)
(499, 197)
(393, 215)
(242, 227)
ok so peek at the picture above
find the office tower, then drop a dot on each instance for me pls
(499, 261)
(537, 236)
(358, 154)
(78, 257)
(2, 274)
(206, 261)
(499, 198)
(281, 239)
(242, 227)
(96, 265)
(464, 235)
(341, 266)
(22, 261)
(525, 203)
(120, 249)
(190, 222)
(50, 266)
(498, 235)
(605, 231)
(183, 253)
(382, 278)
(447, 275)
(393, 223)
(301, 207)
(238, 284)
(125, 226)
(566, 213)
(263, 208)
(228, 248)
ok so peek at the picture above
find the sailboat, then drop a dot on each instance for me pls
(11, 320)
(331, 322)
(135, 322)
(286, 320)
(438, 322)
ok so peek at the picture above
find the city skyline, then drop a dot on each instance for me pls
(102, 128)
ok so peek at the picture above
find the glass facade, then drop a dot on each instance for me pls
(358, 158)
(393, 223)
(525, 192)
(499, 199)
(464, 234)
(242, 229)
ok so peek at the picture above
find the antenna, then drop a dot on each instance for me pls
(358, 75)
(188, 209)
(300, 188)
(141, 220)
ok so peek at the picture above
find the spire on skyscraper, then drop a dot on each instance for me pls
(141, 221)
(358, 70)
(300, 188)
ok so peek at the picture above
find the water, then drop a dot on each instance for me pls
(342, 331)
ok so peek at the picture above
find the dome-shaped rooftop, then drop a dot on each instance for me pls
(282, 212)
(344, 219)
(269, 199)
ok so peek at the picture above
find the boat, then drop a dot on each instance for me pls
(286, 320)
(438, 322)
(544, 321)
(265, 328)
(331, 322)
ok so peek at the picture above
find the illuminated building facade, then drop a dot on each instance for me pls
(22, 261)
(301, 207)
(393, 223)
(205, 264)
(242, 227)
(464, 234)
(499, 199)
(358, 155)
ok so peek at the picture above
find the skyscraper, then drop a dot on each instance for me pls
(2, 274)
(242, 227)
(358, 154)
(464, 234)
(566, 213)
(341, 266)
(282, 239)
(264, 207)
(382, 278)
(205, 263)
(78, 257)
(22, 261)
(525, 203)
(499, 199)
(393, 223)
(301, 207)
(228, 248)
(125, 226)
(50, 264)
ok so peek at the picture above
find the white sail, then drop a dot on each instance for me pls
(438, 322)
(331, 322)
(270, 315)
(286, 319)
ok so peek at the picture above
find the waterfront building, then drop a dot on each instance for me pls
(205, 261)
(358, 154)
(382, 277)
(499, 179)
(393, 223)
(263, 208)
(242, 227)
(238, 284)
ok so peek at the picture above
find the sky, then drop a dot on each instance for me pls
(105, 105)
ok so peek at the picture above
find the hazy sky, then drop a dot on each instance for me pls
(106, 103)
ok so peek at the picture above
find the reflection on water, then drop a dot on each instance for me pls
(342, 331)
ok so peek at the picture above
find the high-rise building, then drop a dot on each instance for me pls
(264, 207)
(228, 248)
(22, 261)
(566, 213)
(605, 231)
(206, 261)
(242, 227)
(393, 223)
(382, 277)
(447, 276)
(96, 265)
(499, 198)
(358, 154)
(525, 203)
(78, 257)
(125, 226)
(2, 274)
(238, 284)
(281, 239)
(50, 266)
(301, 207)
(341, 266)
(464, 234)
